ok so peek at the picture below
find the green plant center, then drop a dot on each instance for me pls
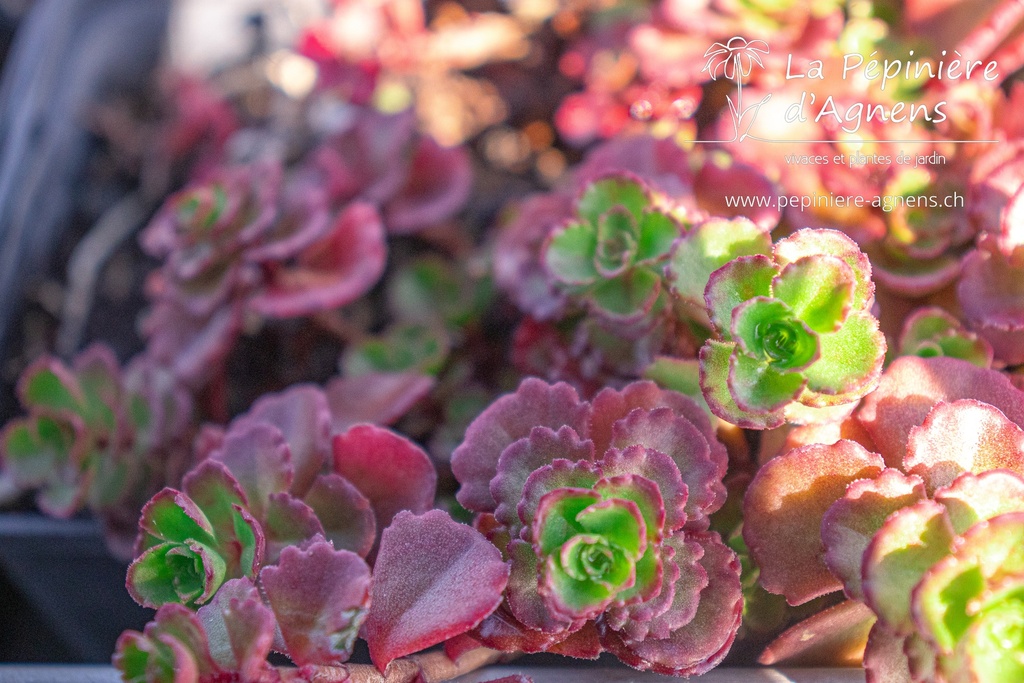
(202, 208)
(780, 339)
(187, 569)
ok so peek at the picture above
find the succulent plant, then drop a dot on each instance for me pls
(272, 537)
(931, 331)
(97, 436)
(906, 535)
(310, 606)
(246, 240)
(609, 255)
(275, 478)
(381, 159)
(794, 330)
(602, 509)
(191, 541)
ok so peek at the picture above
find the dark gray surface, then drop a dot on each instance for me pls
(626, 675)
(46, 673)
(63, 569)
(83, 674)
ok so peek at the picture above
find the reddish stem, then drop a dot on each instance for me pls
(214, 396)
(429, 667)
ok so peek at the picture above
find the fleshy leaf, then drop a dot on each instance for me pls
(34, 448)
(510, 418)
(911, 386)
(346, 514)
(433, 579)
(391, 471)
(684, 587)
(783, 511)
(990, 292)
(709, 246)
(832, 637)
(188, 573)
(737, 281)
(377, 397)
(663, 500)
(402, 348)
(320, 597)
(172, 649)
(758, 387)
(905, 547)
(616, 518)
(569, 591)
(302, 414)
(172, 516)
(49, 386)
(332, 272)
(542, 447)
(818, 289)
(287, 521)
(767, 331)
(931, 331)
(954, 594)
(848, 526)
(657, 232)
(850, 359)
(559, 475)
(611, 405)
(715, 361)
(239, 536)
(606, 194)
(963, 436)
(260, 461)
(239, 628)
(975, 498)
(569, 254)
(522, 595)
(815, 243)
(627, 297)
(884, 658)
(704, 641)
(438, 183)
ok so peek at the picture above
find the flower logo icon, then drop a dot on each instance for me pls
(735, 61)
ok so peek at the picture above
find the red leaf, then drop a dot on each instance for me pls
(392, 472)
(911, 387)
(833, 637)
(319, 596)
(332, 272)
(377, 397)
(434, 579)
(783, 509)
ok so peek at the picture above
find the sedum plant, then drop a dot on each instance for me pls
(245, 240)
(925, 540)
(931, 331)
(291, 536)
(608, 256)
(97, 437)
(794, 330)
(602, 508)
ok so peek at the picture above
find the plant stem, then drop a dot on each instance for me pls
(94, 250)
(429, 667)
